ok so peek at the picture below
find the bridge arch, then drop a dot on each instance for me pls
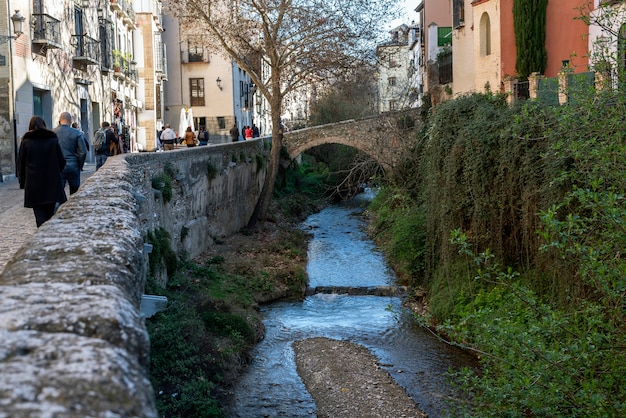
(381, 137)
(295, 152)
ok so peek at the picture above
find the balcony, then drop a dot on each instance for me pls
(124, 67)
(125, 9)
(46, 33)
(86, 50)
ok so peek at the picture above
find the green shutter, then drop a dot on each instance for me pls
(444, 36)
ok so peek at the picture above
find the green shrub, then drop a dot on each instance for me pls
(260, 162)
(211, 171)
(162, 252)
(163, 182)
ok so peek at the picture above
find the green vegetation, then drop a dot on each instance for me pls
(529, 21)
(211, 171)
(163, 183)
(514, 221)
(162, 254)
(260, 162)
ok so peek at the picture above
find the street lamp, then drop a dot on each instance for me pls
(219, 83)
(18, 24)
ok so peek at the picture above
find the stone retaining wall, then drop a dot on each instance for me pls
(72, 342)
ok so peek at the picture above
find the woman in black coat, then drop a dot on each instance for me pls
(39, 165)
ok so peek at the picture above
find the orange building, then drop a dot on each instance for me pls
(566, 37)
(483, 46)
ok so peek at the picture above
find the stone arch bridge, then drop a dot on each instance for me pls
(385, 138)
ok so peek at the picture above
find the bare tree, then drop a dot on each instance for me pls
(285, 44)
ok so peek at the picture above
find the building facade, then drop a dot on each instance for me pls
(203, 88)
(73, 56)
(393, 71)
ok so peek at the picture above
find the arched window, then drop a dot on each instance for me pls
(485, 35)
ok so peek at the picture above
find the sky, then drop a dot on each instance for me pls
(409, 7)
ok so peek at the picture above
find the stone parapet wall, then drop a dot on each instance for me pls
(72, 342)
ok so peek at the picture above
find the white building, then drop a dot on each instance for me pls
(203, 88)
(393, 64)
(415, 68)
(63, 62)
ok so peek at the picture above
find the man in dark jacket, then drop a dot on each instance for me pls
(102, 155)
(234, 133)
(74, 151)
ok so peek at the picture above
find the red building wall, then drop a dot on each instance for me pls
(566, 37)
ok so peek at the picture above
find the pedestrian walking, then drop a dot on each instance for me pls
(168, 136)
(234, 133)
(203, 136)
(107, 142)
(40, 162)
(74, 150)
(190, 137)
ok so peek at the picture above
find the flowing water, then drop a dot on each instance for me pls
(340, 254)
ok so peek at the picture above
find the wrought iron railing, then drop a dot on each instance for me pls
(87, 49)
(47, 30)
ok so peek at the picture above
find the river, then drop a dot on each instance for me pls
(340, 254)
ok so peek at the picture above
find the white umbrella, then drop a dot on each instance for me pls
(190, 120)
(182, 122)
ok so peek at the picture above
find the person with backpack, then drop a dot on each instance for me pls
(203, 136)
(74, 150)
(102, 141)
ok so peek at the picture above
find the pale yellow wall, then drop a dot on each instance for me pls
(463, 54)
(487, 68)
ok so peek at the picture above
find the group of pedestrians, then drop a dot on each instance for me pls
(49, 159)
(247, 132)
(167, 137)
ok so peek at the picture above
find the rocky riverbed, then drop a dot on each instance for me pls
(345, 380)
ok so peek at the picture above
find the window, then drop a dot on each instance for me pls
(196, 53)
(393, 63)
(104, 32)
(458, 13)
(79, 31)
(392, 105)
(221, 122)
(392, 81)
(485, 35)
(196, 91)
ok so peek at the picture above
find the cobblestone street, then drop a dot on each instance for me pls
(17, 223)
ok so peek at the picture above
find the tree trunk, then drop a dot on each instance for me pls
(260, 210)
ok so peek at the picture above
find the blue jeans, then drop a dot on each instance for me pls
(100, 160)
(71, 175)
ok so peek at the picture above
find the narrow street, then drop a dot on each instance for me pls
(17, 223)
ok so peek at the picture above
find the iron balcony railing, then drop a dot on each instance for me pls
(47, 30)
(86, 49)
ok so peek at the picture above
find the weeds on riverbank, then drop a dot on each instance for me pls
(540, 189)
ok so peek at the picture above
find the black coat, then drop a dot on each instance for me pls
(39, 165)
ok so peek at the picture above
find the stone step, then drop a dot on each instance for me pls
(358, 291)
